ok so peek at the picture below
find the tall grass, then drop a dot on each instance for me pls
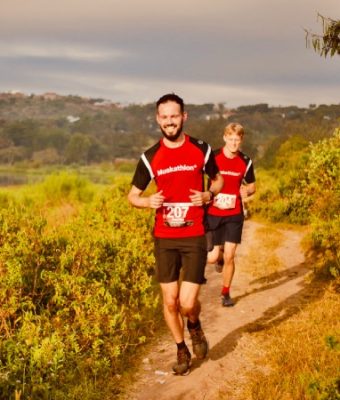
(262, 260)
(300, 358)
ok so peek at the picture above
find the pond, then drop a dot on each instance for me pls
(12, 180)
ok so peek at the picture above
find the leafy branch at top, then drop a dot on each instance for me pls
(329, 42)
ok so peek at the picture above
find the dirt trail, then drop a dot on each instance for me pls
(258, 303)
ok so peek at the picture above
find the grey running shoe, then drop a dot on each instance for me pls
(219, 266)
(182, 366)
(199, 343)
(227, 301)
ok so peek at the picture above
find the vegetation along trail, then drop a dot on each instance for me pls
(268, 286)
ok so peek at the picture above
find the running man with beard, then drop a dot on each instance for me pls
(177, 164)
(225, 214)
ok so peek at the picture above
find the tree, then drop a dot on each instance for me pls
(329, 41)
(77, 149)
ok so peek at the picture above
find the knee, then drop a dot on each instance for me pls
(228, 258)
(186, 311)
(212, 258)
(213, 255)
(171, 306)
(190, 308)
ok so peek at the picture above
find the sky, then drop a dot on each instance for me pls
(237, 52)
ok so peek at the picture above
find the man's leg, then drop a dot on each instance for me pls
(228, 272)
(188, 299)
(191, 308)
(229, 263)
(173, 318)
(213, 255)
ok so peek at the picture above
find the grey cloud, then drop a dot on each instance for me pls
(114, 48)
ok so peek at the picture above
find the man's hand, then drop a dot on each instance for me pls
(243, 192)
(156, 200)
(247, 190)
(198, 198)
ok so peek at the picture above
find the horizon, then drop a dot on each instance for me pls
(114, 102)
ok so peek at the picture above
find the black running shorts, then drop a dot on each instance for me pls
(225, 229)
(183, 255)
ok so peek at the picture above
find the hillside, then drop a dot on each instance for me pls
(53, 129)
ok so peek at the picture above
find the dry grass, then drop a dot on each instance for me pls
(262, 260)
(297, 359)
(60, 214)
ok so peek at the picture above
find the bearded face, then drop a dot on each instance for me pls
(172, 131)
(170, 119)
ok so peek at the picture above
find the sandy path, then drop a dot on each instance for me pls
(258, 303)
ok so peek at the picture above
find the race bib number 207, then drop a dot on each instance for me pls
(175, 214)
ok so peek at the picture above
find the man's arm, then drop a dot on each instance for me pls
(216, 184)
(137, 200)
(200, 198)
(247, 190)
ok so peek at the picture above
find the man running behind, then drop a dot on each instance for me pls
(225, 214)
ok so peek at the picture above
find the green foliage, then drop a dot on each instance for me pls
(76, 299)
(71, 130)
(66, 187)
(332, 342)
(291, 152)
(324, 391)
(323, 186)
(305, 189)
(329, 42)
(56, 189)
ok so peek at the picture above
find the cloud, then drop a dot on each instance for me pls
(66, 51)
(236, 51)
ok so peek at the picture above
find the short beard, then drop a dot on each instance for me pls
(173, 138)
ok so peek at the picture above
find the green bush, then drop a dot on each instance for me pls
(323, 188)
(76, 299)
(65, 186)
(306, 190)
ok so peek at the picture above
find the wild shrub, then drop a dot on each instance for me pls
(306, 190)
(323, 187)
(76, 300)
(55, 189)
(65, 186)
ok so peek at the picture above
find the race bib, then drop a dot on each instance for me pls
(175, 214)
(225, 201)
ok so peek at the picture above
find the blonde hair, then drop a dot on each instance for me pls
(234, 127)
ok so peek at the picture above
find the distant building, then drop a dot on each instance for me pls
(209, 117)
(227, 114)
(16, 94)
(50, 96)
(72, 119)
(103, 103)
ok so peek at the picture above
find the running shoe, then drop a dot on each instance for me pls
(182, 366)
(219, 266)
(227, 301)
(199, 343)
